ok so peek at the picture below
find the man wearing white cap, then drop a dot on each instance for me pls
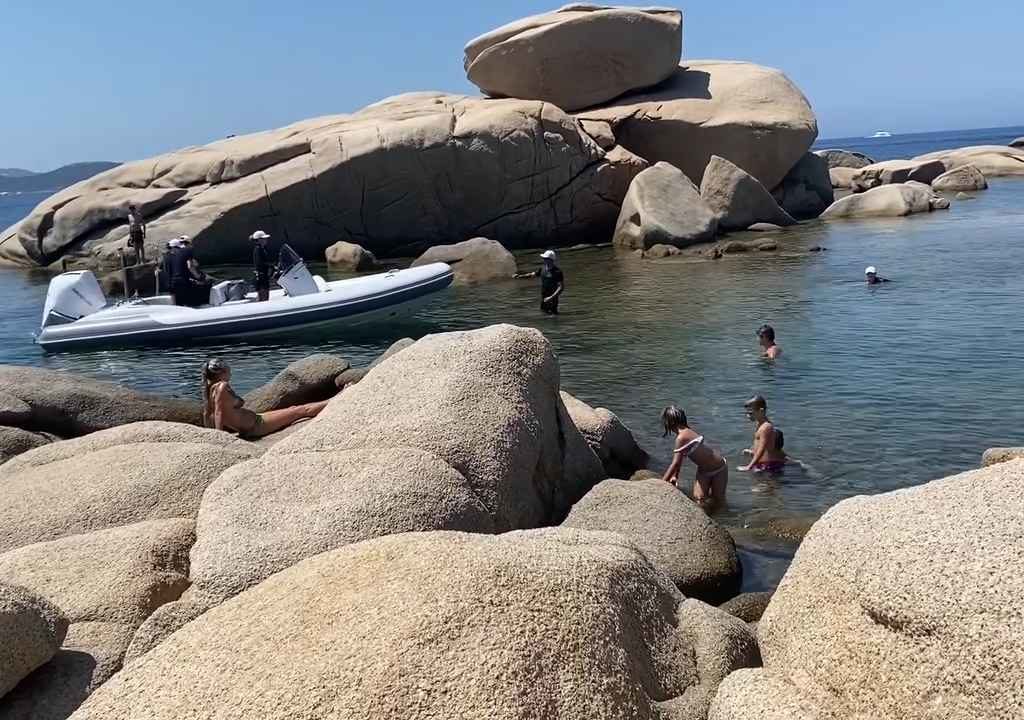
(552, 282)
(261, 264)
(872, 276)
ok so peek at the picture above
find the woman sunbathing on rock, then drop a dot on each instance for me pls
(223, 408)
(712, 470)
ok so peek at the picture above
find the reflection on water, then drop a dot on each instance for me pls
(878, 387)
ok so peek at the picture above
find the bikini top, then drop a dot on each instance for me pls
(692, 445)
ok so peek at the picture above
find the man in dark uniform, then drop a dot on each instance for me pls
(189, 285)
(552, 282)
(261, 264)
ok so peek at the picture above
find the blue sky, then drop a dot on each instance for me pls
(99, 80)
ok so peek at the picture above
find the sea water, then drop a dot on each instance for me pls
(878, 388)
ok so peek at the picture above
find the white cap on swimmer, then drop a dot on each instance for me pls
(870, 270)
(548, 255)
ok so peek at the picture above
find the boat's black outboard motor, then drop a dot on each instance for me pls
(294, 277)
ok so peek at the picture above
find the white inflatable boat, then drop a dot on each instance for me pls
(77, 313)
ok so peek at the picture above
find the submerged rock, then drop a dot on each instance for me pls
(577, 56)
(752, 116)
(31, 630)
(663, 207)
(965, 177)
(737, 198)
(442, 625)
(473, 261)
(405, 173)
(673, 533)
(906, 590)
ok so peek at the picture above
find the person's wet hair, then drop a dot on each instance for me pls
(672, 418)
(766, 331)
(756, 403)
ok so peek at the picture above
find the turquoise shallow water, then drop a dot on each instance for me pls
(879, 387)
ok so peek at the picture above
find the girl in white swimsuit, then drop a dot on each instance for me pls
(712, 471)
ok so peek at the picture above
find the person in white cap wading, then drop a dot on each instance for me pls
(872, 277)
(552, 282)
(261, 264)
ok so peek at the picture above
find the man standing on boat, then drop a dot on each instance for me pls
(137, 234)
(552, 282)
(261, 264)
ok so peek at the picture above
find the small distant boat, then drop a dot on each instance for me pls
(881, 134)
(77, 313)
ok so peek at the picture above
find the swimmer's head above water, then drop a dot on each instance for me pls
(673, 419)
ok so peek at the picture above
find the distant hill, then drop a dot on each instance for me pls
(14, 172)
(52, 181)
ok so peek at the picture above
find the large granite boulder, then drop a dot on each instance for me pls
(70, 405)
(462, 431)
(396, 177)
(751, 115)
(350, 256)
(990, 160)
(737, 198)
(663, 207)
(837, 158)
(119, 575)
(748, 607)
(896, 171)
(806, 190)
(885, 201)
(15, 441)
(473, 261)
(676, 535)
(438, 625)
(964, 177)
(310, 379)
(31, 630)
(55, 491)
(900, 605)
(166, 620)
(577, 56)
(92, 652)
(608, 437)
(842, 177)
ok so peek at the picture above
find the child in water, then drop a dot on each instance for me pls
(712, 470)
(767, 454)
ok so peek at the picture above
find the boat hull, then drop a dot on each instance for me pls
(347, 303)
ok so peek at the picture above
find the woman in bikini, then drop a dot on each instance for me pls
(712, 470)
(224, 409)
(767, 454)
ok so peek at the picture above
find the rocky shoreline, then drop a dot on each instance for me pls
(453, 521)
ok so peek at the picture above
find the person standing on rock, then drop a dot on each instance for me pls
(552, 282)
(137, 234)
(712, 470)
(261, 264)
(766, 338)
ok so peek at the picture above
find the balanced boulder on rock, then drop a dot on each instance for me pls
(673, 533)
(439, 625)
(965, 177)
(577, 56)
(753, 116)
(31, 630)
(473, 261)
(738, 199)
(663, 207)
(844, 158)
(900, 605)
(886, 201)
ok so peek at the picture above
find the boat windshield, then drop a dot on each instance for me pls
(287, 259)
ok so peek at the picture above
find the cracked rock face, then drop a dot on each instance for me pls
(578, 56)
(901, 605)
(403, 174)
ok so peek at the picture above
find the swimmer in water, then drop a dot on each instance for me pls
(712, 470)
(767, 454)
(766, 338)
(871, 276)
